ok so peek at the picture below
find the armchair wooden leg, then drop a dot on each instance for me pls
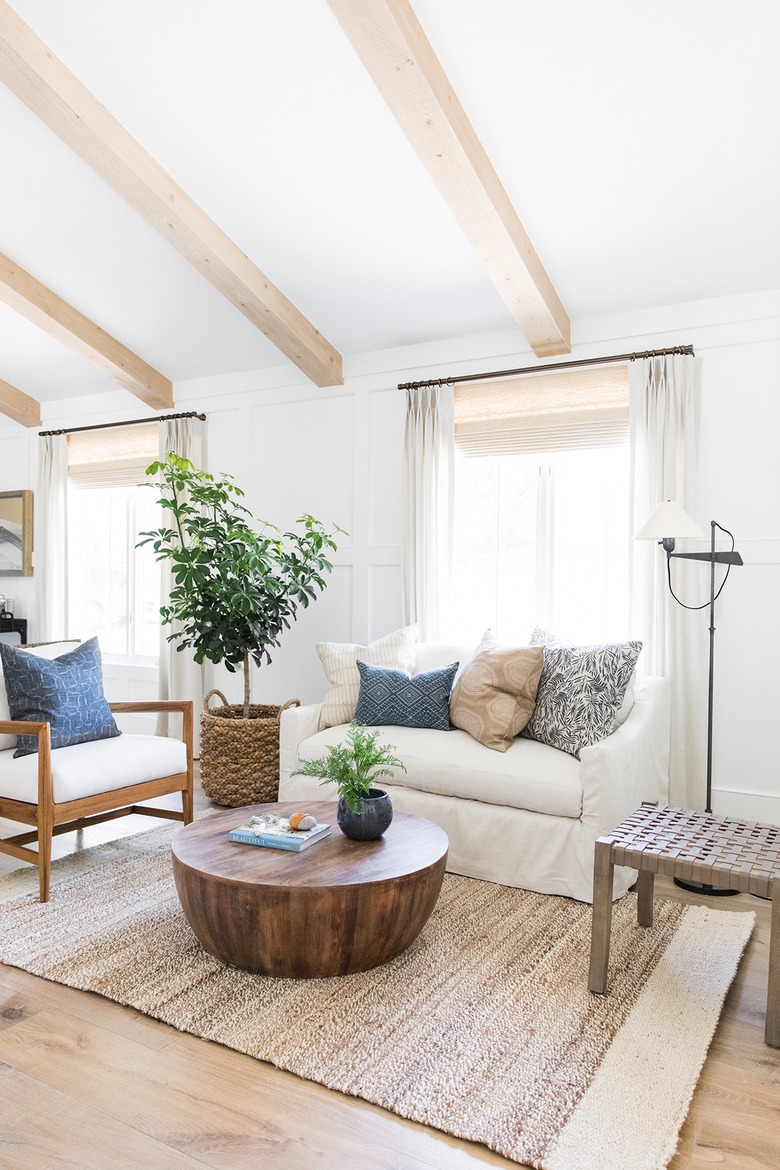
(45, 828)
(187, 734)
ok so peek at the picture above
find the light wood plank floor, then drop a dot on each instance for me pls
(87, 1084)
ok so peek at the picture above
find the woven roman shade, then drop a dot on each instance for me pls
(115, 457)
(543, 412)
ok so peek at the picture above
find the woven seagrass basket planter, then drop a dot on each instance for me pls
(239, 758)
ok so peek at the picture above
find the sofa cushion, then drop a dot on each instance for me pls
(66, 692)
(495, 695)
(86, 769)
(580, 691)
(401, 699)
(339, 660)
(50, 650)
(528, 775)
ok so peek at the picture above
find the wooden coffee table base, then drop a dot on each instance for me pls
(338, 907)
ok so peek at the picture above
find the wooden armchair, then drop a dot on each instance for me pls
(91, 782)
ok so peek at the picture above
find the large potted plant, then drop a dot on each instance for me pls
(364, 812)
(236, 585)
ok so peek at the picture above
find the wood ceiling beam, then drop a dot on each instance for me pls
(65, 324)
(60, 100)
(18, 406)
(391, 44)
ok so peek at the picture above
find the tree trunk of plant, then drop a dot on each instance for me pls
(246, 685)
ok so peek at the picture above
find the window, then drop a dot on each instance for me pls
(541, 530)
(114, 588)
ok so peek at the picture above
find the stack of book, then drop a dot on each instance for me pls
(275, 833)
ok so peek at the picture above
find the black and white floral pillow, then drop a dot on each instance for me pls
(580, 692)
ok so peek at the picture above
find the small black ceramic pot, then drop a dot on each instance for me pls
(375, 812)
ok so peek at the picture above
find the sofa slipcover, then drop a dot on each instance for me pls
(528, 817)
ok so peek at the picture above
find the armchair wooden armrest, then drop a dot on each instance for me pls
(153, 705)
(43, 732)
(183, 705)
(21, 727)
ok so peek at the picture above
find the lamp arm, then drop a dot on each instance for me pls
(728, 558)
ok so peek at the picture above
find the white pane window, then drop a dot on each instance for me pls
(114, 588)
(542, 538)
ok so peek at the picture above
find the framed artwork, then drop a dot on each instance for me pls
(16, 534)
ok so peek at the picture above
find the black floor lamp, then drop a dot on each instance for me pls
(670, 521)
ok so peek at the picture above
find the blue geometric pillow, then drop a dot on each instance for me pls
(65, 692)
(405, 700)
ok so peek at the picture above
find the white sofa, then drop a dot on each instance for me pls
(528, 817)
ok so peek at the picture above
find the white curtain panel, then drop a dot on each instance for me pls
(180, 676)
(427, 510)
(664, 420)
(51, 541)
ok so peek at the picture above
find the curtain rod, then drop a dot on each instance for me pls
(599, 361)
(130, 422)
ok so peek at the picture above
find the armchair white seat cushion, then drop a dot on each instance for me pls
(85, 769)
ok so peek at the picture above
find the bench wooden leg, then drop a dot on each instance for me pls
(644, 906)
(603, 871)
(772, 1032)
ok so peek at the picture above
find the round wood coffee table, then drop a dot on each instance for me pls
(338, 906)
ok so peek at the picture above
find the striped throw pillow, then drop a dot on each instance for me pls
(339, 660)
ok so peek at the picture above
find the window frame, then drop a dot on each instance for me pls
(131, 657)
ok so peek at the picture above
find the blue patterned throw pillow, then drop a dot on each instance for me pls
(580, 692)
(405, 700)
(65, 692)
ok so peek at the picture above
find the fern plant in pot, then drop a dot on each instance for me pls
(364, 811)
(236, 585)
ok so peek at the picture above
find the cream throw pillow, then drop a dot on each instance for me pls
(339, 660)
(494, 697)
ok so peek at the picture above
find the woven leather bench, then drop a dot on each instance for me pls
(718, 851)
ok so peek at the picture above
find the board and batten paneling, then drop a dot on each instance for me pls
(386, 435)
(302, 461)
(296, 671)
(384, 591)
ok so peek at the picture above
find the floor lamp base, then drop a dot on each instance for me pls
(703, 888)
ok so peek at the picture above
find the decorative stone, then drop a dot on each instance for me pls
(300, 822)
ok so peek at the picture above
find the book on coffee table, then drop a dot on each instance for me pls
(275, 833)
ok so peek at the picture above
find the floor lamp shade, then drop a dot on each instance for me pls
(669, 520)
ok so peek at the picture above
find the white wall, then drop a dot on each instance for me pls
(337, 454)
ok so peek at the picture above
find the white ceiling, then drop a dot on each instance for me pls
(637, 142)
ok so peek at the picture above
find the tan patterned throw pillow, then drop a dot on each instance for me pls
(494, 697)
(339, 660)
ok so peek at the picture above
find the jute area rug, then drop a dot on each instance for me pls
(484, 1028)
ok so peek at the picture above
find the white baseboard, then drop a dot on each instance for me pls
(747, 806)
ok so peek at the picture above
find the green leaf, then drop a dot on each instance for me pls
(237, 582)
